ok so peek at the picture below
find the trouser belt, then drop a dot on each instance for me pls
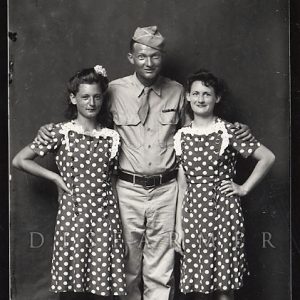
(148, 181)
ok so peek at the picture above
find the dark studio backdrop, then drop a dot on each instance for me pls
(243, 41)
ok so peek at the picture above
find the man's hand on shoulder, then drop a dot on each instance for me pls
(44, 135)
(243, 132)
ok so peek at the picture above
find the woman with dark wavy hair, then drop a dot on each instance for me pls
(88, 76)
(209, 221)
(88, 246)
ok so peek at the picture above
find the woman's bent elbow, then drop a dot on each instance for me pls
(271, 158)
(16, 162)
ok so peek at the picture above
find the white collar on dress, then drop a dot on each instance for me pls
(218, 126)
(104, 132)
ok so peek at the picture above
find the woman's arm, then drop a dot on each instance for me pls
(114, 179)
(24, 161)
(265, 159)
(178, 227)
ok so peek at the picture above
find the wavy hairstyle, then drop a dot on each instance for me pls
(89, 76)
(220, 89)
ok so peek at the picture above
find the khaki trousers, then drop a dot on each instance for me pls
(148, 217)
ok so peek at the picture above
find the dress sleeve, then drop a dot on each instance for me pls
(114, 157)
(52, 146)
(177, 146)
(245, 148)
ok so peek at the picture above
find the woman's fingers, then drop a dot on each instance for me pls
(182, 245)
(229, 190)
(178, 242)
(64, 188)
(180, 251)
(178, 248)
(225, 185)
(231, 194)
(228, 187)
(222, 188)
(126, 250)
(67, 191)
(225, 182)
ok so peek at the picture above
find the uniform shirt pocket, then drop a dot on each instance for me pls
(129, 127)
(168, 120)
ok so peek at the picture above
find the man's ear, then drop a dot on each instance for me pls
(73, 99)
(218, 99)
(130, 58)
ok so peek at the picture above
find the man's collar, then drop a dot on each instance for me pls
(156, 87)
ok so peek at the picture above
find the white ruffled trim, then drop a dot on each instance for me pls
(177, 142)
(104, 132)
(116, 140)
(219, 125)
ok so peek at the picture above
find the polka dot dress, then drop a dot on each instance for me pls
(214, 257)
(88, 246)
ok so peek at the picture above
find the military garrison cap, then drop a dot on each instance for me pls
(149, 36)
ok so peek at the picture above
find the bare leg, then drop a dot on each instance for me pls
(200, 296)
(222, 295)
(83, 296)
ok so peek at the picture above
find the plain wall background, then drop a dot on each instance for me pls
(243, 41)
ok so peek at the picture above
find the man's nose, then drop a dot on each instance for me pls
(149, 61)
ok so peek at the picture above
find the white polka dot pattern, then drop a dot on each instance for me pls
(88, 254)
(214, 256)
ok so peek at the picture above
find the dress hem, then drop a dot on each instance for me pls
(89, 291)
(209, 292)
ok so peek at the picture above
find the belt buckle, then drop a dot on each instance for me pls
(153, 179)
(146, 180)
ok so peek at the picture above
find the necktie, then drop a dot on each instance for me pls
(144, 105)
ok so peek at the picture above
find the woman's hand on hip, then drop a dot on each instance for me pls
(230, 188)
(179, 241)
(62, 187)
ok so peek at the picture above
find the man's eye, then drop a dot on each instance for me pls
(85, 97)
(98, 97)
(141, 57)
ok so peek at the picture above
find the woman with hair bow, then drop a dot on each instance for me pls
(88, 245)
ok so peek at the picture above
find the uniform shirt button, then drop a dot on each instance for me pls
(149, 163)
(149, 146)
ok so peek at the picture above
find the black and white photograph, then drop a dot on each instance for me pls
(149, 146)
